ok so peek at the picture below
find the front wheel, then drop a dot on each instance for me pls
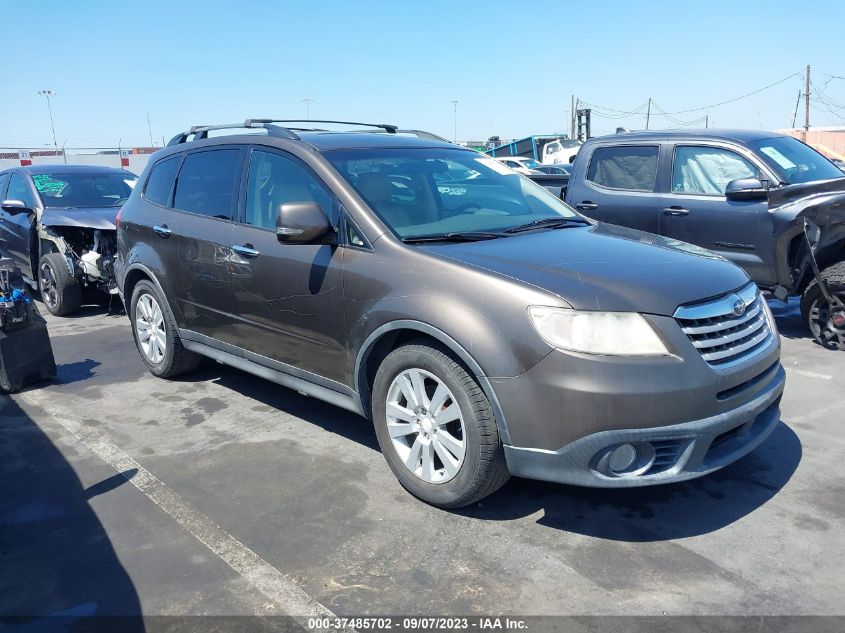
(826, 325)
(436, 427)
(60, 290)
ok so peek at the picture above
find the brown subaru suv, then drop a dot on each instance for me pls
(485, 327)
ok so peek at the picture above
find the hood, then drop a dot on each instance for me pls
(95, 218)
(605, 267)
(822, 201)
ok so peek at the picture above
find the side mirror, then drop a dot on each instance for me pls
(745, 189)
(15, 206)
(302, 223)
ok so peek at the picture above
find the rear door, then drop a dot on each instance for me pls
(287, 295)
(696, 210)
(619, 186)
(192, 239)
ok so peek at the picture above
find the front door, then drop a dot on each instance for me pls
(697, 211)
(17, 227)
(287, 295)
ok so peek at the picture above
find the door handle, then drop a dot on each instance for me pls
(586, 206)
(675, 211)
(246, 250)
(162, 230)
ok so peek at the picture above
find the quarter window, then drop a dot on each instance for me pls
(160, 181)
(632, 168)
(275, 180)
(206, 183)
(708, 170)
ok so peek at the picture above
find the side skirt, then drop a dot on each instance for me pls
(300, 385)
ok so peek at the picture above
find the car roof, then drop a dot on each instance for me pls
(740, 136)
(72, 169)
(327, 141)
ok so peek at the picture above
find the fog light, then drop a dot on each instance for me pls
(622, 458)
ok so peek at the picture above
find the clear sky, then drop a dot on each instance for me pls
(511, 65)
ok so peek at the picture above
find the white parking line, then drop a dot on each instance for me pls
(265, 578)
(808, 374)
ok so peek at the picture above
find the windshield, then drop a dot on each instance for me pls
(530, 163)
(793, 161)
(81, 189)
(424, 192)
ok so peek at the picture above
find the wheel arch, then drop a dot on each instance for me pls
(389, 336)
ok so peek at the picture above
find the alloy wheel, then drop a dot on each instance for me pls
(425, 425)
(826, 325)
(49, 291)
(149, 327)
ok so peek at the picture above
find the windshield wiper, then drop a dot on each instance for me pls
(465, 236)
(549, 223)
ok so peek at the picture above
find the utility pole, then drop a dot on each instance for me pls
(706, 120)
(150, 128)
(807, 105)
(307, 101)
(648, 113)
(455, 106)
(48, 94)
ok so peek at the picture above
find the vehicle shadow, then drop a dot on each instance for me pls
(56, 556)
(788, 319)
(654, 513)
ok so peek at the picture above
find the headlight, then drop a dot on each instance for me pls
(769, 316)
(611, 333)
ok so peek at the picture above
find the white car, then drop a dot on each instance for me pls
(520, 164)
(560, 151)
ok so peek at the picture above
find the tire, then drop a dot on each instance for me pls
(481, 469)
(816, 311)
(156, 336)
(60, 291)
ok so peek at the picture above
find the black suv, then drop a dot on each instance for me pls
(766, 201)
(483, 325)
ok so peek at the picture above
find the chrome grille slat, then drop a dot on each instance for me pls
(721, 336)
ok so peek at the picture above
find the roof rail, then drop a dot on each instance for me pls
(200, 132)
(387, 127)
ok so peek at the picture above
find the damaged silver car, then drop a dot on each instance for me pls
(58, 223)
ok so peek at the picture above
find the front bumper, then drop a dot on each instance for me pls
(681, 417)
(668, 453)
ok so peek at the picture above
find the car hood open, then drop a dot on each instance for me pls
(96, 218)
(605, 267)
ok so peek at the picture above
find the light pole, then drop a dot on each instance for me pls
(307, 101)
(48, 94)
(455, 106)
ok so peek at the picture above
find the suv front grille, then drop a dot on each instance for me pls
(722, 336)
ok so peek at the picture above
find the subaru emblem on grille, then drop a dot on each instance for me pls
(739, 306)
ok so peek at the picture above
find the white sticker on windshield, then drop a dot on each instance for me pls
(779, 158)
(130, 182)
(496, 166)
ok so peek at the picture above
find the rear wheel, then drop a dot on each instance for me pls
(436, 427)
(60, 291)
(156, 336)
(826, 325)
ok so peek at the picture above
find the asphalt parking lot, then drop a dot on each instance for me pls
(126, 493)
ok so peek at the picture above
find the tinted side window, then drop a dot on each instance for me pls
(4, 180)
(626, 167)
(19, 190)
(206, 183)
(275, 180)
(160, 181)
(708, 170)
